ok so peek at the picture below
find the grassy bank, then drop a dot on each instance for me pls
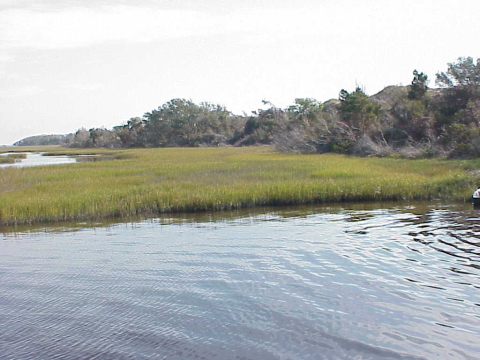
(195, 179)
(10, 158)
(6, 160)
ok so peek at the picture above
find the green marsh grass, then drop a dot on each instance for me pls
(148, 181)
(6, 160)
(17, 156)
(24, 149)
(11, 158)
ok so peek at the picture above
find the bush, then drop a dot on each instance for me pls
(365, 146)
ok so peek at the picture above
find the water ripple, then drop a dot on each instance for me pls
(398, 283)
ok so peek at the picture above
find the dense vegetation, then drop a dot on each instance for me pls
(41, 140)
(411, 121)
(143, 181)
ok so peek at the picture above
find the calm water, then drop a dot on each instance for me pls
(298, 283)
(37, 159)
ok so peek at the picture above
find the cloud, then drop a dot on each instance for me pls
(77, 27)
(6, 57)
(72, 27)
(59, 27)
(84, 86)
(27, 90)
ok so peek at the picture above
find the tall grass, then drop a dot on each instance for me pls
(195, 179)
(10, 158)
(20, 149)
(17, 156)
(6, 160)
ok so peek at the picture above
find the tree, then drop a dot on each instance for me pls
(101, 137)
(462, 95)
(357, 109)
(181, 122)
(419, 85)
(173, 123)
(81, 138)
(463, 74)
(129, 133)
(261, 127)
(304, 110)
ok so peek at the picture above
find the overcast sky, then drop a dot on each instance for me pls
(80, 63)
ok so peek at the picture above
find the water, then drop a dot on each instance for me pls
(293, 283)
(37, 159)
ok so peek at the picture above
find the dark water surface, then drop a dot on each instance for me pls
(398, 282)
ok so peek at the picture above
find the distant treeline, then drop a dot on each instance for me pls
(412, 121)
(46, 140)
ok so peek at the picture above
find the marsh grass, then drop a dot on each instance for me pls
(6, 160)
(27, 149)
(148, 181)
(11, 158)
(84, 152)
(91, 155)
(17, 156)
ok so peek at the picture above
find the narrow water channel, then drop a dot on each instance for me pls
(352, 282)
(37, 159)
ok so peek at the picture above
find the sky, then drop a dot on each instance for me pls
(79, 63)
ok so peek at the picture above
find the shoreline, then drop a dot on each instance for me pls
(207, 216)
(177, 180)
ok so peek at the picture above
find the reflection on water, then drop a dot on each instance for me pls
(356, 282)
(37, 159)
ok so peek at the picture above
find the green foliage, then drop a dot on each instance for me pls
(181, 122)
(419, 86)
(251, 125)
(461, 133)
(96, 138)
(305, 110)
(357, 109)
(414, 120)
(262, 126)
(131, 133)
(464, 140)
(463, 73)
(173, 123)
(339, 145)
(458, 107)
